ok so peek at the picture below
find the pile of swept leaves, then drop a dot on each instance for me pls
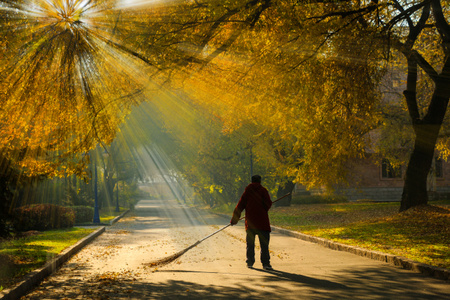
(421, 234)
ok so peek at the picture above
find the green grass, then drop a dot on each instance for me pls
(317, 216)
(19, 256)
(107, 214)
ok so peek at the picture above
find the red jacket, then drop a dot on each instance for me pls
(256, 202)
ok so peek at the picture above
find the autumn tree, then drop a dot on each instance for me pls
(420, 31)
(60, 90)
(304, 74)
(341, 44)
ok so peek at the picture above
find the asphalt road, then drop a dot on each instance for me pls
(115, 265)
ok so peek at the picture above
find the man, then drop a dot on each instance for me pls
(256, 202)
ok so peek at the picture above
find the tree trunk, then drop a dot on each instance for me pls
(288, 187)
(426, 130)
(415, 187)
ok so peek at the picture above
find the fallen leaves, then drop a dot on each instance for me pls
(421, 234)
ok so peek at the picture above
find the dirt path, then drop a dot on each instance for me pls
(113, 266)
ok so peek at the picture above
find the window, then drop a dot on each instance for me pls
(438, 170)
(389, 171)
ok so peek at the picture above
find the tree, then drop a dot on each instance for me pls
(60, 90)
(409, 28)
(303, 74)
(335, 41)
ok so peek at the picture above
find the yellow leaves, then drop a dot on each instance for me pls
(64, 91)
(443, 148)
(213, 188)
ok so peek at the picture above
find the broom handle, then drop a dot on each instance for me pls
(198, 242)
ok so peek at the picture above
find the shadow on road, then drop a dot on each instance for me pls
(259, 285)
(313, 282)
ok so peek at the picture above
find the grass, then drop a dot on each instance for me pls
(320, 216)
(20, 256)
(107, 214)
(421, 234)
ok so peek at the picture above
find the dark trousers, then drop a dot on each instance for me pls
(264, 238)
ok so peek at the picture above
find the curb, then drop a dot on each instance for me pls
(36, 276)
(403, 262)
(118, 217)
(103, 224)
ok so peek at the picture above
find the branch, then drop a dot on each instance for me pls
(405, 13)
(216, 24)
(345, 14)
(251, 20)
(400, 8)
(420, 60)
(411, 92)
(125, 49)
(425, 65)
(441, 24)
(415, 30)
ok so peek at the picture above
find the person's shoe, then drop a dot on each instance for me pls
(249, 266)
(268, 268)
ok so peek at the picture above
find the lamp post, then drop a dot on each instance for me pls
(117, 199)
(96, 210)
(96, 213)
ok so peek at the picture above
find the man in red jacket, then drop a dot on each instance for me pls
(256, 202)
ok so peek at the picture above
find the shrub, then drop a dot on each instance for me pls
(42, 217)
(83, 214)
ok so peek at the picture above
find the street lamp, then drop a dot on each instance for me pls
(96, 210)
(96, 214)
(117, 199)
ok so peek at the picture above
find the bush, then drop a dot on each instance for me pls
(224, 208)
(317, 199)
(42, 217)
(83, 214)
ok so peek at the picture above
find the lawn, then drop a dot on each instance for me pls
(25, 253)
(421, 234)
(21, 255)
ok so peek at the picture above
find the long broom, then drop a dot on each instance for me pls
(169, 259)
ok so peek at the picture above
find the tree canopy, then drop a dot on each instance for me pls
(305, 76)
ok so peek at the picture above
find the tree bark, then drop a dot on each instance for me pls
(288, 187)
(426, 130)
(415, 187)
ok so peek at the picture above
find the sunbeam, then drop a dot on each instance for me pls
(222, 90)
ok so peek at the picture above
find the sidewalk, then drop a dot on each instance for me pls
(37, 276)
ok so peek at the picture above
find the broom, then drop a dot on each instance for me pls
(169, 259)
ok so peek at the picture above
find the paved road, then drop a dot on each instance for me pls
(113, 266)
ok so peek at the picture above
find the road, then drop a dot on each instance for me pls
(115, 265)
